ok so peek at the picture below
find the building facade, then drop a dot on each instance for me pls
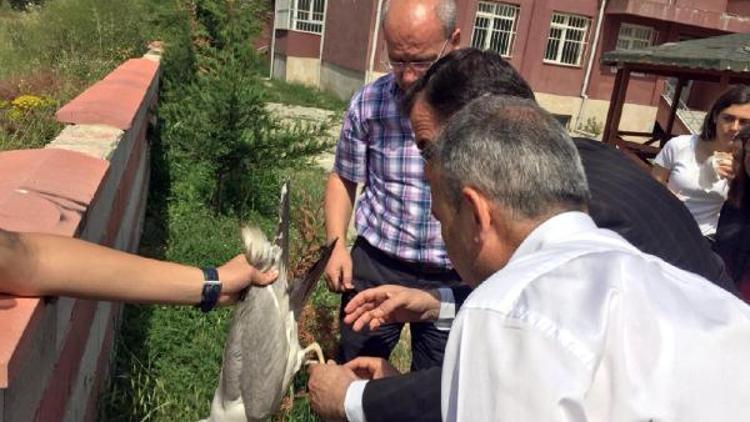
(338, 45)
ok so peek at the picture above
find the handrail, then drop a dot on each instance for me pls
(692, 123)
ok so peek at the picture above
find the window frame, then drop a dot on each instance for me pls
(630, 39)
(490, 28)
(564, 38)
(307, 24)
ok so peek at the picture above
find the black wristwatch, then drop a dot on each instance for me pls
(211, 289)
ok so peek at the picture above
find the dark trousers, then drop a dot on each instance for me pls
(371, 268)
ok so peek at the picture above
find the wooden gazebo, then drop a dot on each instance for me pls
(724, 59)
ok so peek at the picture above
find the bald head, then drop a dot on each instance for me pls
(420, 12)
(418, 32)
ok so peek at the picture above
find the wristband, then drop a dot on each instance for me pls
(211, 289)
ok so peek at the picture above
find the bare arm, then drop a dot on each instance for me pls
(34, 264)
(339, 201)
(660, 173)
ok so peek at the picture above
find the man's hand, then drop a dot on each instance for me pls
(338, 272)
(371, 367)
(327, 386)
(237, 274)
(390, 303)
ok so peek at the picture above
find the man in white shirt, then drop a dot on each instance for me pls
(568, 321)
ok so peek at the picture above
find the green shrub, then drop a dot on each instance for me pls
(218, 159)
(218, 126)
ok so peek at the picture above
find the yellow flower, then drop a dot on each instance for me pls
(15, 114)
(31, 102)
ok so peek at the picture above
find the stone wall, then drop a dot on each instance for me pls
(89, 182)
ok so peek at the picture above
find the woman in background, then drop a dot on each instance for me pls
(698, 168)
(733, 232)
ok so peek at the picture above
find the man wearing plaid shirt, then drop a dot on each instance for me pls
(398, 239)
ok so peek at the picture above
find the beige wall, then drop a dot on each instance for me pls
(635, 117)
(279, 67)
(340, 81)
(303, 70)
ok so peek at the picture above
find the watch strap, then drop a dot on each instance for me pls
(211, 289)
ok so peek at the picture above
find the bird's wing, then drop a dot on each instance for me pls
(282, 241)
(265, 355)
(232, 363)
(300, 289)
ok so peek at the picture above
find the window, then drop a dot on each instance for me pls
(308, 15)
(567, 39)
(632, 37)
(564, 119)
(300, 15)
(495, 27)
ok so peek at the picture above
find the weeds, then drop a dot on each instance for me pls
(301, 95)
(58, 49)
(592, 126)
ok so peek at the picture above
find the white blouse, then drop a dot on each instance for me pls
(698, 186)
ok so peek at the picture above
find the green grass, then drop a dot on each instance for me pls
(302, 95)
(168, 358)
(278, 91)
(57, 51)
(32, 129)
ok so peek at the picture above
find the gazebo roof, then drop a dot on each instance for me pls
(714, 55)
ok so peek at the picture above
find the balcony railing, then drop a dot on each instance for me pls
(692, 119)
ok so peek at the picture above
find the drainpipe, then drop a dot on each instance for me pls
(322, 41)
(273, 36)
(590, 64)
(371, 65)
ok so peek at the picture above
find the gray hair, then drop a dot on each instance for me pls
(445, 10)
(514, 152)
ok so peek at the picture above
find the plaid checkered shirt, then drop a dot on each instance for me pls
(376, 148)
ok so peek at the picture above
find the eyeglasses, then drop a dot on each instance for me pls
(417, 66)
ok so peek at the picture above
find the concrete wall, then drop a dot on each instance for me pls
(303, 70)
(739, 7)
(340, 81)
(710, 14)
(296, 57)
(90, 182)
(642, 89)
(348, 45)
(531, 42)
(349, 27)
(297, 44)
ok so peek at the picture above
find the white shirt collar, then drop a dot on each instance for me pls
(560, 227)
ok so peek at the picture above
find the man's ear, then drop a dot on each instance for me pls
(481, 211)
(455, 38)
